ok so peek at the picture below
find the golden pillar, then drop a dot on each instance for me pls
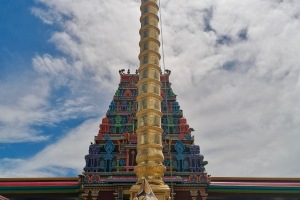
(149, 132)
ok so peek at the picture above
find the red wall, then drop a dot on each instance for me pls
(182, 195)
(106, 196)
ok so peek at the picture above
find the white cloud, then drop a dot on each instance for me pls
(58, 159)
(22, 104)
(46, 16)
(91, 38)
(247, 108)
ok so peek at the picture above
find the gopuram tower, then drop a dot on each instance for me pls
(149, 132)
(145, 147)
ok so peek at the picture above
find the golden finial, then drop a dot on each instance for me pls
(145, 192)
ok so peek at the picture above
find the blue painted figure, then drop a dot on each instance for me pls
(196, 159)
(108, 157)
(179, 147)
(92, 159)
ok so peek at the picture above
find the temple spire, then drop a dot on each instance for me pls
(149, 132)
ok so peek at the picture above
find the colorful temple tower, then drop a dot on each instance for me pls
(109, 171)
(144, 136)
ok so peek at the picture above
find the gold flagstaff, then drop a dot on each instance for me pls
(149, 132)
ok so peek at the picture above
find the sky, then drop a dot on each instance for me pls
(235, 69)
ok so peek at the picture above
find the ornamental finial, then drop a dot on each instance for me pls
(145, 192)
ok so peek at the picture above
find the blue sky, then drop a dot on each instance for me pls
(22, 36)
(21, 30)
(235, 69)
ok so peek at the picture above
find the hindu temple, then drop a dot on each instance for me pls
(145, 147)
(112, 157)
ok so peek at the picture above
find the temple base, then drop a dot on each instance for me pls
(162, 192)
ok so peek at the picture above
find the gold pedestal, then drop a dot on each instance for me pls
(162, 192)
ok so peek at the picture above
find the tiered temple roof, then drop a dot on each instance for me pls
(112, 155)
